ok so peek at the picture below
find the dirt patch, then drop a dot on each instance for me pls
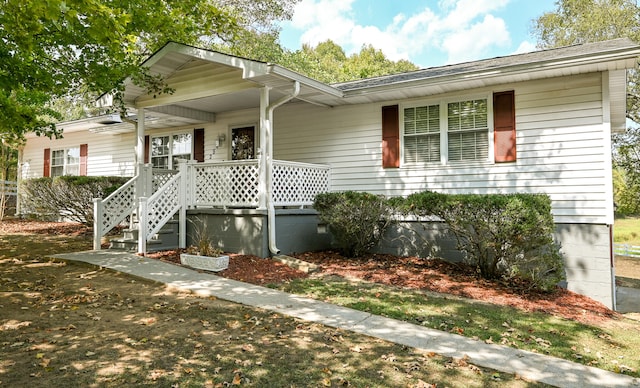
(628, 267)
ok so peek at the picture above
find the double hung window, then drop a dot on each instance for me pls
(467, 130)
(65, 162)
(166, 150)
(446, 132)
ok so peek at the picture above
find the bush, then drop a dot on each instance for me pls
(356, 220)
(503, 236)
(69, 197)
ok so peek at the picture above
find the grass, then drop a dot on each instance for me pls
(627, 230)
(66, 324)
(612, 345)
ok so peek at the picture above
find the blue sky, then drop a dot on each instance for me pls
(426, 32)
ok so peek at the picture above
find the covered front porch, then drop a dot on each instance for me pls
(241, 198)
(241, 213)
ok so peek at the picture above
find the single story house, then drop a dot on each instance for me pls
(245, 145)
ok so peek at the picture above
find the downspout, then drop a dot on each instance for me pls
(271, 211)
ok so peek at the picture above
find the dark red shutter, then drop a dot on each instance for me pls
(390, 137)
(83, 159)
(47, 163)
(504, 126)
(198, 144)
(147, 144)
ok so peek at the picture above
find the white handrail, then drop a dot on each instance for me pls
(109, 212)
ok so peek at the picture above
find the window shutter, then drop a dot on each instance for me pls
(83, 159)
(390, 137)
(47, 163)
(147, 145)
(504, 126)
(198, 144)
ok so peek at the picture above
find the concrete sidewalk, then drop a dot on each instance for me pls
(533, 366)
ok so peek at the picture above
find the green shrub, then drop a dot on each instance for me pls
(356, 220)
(69, 197)
(503, 236)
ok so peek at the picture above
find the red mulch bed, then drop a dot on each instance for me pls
(410, 272)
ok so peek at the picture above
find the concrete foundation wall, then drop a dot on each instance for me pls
(587, 253)
(242, 231)
(245, 231)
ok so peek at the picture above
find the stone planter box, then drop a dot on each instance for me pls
(205, 262)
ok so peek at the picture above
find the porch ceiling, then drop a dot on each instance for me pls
(212, 82)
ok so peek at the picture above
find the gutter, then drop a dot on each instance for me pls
(271, 211)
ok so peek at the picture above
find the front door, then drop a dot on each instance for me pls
(243, 145)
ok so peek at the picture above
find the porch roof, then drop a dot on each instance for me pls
(206, 82)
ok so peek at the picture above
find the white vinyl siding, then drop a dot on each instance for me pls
(562, 146)
(561, 139)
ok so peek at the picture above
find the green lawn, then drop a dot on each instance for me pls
(627, 230)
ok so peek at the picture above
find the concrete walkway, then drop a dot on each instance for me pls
(533, 366)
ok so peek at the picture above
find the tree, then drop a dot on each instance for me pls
(51, 49)
(328, 62)
(626, 177)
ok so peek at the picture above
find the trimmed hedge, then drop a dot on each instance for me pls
(356, 220)
(503, 236)
(68, 197)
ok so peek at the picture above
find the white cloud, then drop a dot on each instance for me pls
(462, 29)
(473, 42)
(525, 47)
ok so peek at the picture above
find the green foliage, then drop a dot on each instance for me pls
(51, 49)
(503, 236)
(626, 193)
(626, 159)
(356, 220)
(70, 197)
(327, 62)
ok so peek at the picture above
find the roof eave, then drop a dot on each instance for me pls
(625, 54)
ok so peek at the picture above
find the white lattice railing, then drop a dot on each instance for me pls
(222, 184)
(159, 177)
(296, 184)
(236, 183)
(112, 210)
(158, 209)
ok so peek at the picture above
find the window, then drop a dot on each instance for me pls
(166, 150)
(65, 162)
(461, 125)
(468, 131)
(422, 134)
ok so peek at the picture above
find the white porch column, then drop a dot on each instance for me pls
(139, 148)
(263, 154)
